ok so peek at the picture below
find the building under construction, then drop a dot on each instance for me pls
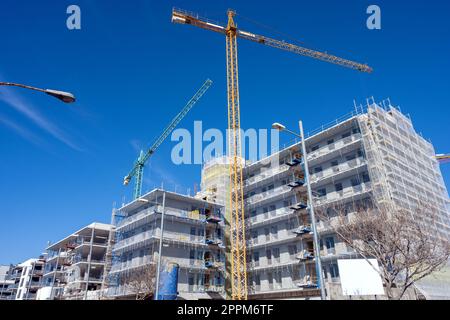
(178, 228)
(356, 161)
(75, 265)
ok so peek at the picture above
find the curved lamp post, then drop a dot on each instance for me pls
(65, 97)
(280, 127)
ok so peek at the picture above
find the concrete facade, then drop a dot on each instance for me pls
(355, 162)
(75, 264)
(192, 237)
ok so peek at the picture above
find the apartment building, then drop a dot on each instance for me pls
(6, 283)
(371, 156)
(75, 265)
(192, 236)
(26, 279)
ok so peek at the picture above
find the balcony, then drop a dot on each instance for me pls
(334, 147)
(267, 196)
(143, 238)
(266, 174)
(281, 237)
(87, 242)
(337, 172)
(270, 217)
(354, 192)
(85, 260)
(146, 215)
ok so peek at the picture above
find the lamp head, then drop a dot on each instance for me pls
(278, 126)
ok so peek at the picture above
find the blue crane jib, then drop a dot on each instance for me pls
(138, 168)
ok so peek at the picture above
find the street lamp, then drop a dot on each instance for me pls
(280, 127)
(65, 97)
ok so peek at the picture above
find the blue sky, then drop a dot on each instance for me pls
(132, 70)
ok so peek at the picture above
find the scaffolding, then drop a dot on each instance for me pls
(139, 230)
(404, 173)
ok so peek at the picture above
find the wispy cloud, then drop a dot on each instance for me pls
(29, 111)
(24, 133)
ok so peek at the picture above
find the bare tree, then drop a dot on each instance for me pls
(141, 281)
(406, 243)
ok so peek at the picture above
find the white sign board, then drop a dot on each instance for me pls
(358, 277)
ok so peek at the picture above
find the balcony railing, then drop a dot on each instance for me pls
(155, 234)
(268, 217)
(345, 193)
(267, 194)
(194, 215)
(334, 146)
(266, 174)
(343, 167)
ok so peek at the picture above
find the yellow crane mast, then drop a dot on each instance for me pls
(237, 227)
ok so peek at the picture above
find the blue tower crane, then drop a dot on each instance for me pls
(138, 168)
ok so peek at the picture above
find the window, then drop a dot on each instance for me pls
(365, 177)
(350, 157)
(322, 192)
(278, 279)
(290, 225)
(360, 153)
(355, 182)
(329, 242)
(270, 187)
(334, 270)
(253, 213)
(355, 130)
(270, 279)
(292, 250)
(267, 233)
(334, 163)
(276, 254)
(264, 189)
(287, 203)
(269, 256)
(257, 282)
(191, 284)
(338, 186)
(347, 134)
(331, 141)
(266, 212)
(255, 236)
(272, 207)
(315, 148)
(256, 258)
(317, 169)
(274, 231)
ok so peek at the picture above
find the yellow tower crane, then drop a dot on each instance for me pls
(237, 227)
